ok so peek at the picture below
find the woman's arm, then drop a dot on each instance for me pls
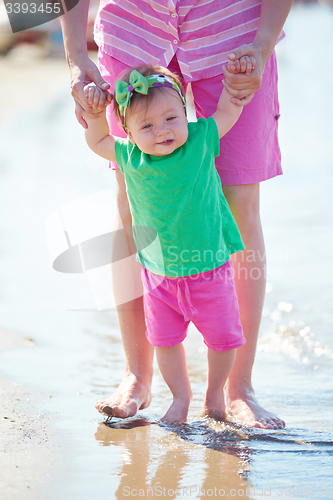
(272, 18)
(82, 69)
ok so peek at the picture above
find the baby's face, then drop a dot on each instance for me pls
(162, 127)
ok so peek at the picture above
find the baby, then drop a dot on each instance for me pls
(174, 189)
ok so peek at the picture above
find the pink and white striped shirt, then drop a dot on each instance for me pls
(201, 32)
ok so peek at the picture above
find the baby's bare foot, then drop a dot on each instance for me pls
(214, 406)
(177, 413)
(248, 411)
(213, 413)
(131, 396)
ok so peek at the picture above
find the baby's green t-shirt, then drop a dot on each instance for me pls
(182, 223)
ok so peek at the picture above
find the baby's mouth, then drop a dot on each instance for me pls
(167, 142)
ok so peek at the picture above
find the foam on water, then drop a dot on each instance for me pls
(294, 339)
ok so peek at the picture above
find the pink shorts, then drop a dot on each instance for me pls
(250, 151)
(207, 299)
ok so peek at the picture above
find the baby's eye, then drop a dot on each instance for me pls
(148, 125)
(170, 118)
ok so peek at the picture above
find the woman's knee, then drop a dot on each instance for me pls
(244, 204)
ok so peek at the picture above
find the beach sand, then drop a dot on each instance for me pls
(28, 79)
(30, 459)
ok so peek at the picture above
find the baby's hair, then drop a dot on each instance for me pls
(146, 70)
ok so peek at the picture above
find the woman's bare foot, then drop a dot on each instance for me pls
(214, 406)
(177, 413)
(131, 396)
(247, 411)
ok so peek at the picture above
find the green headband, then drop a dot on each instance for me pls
(141, 84)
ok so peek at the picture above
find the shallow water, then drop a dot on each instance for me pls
(78, 354)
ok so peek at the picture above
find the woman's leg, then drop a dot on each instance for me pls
(250, 280)
(172, 363)
(134, 390)
(219, 366)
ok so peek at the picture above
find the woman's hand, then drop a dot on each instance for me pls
(84, 72)
(243, 84)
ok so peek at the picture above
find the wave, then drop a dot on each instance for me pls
(294, 339)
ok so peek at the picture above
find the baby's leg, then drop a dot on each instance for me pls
(219, 367)
(172, 363)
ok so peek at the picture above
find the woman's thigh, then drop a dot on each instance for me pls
(249, 152)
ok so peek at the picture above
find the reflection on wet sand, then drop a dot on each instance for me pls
(201, 459)
(156, 463)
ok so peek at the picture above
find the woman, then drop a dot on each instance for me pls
(195, 37)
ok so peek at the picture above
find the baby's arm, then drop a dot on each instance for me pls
(98, 134)
(243, 65)
(228, 111)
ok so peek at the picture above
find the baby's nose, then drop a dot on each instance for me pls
(162, 129)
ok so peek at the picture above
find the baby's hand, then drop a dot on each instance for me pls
(243, 65)
(96, 98)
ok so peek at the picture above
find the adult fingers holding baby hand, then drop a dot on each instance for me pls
(96, 98)
(238, 80)
(243, 65)
(241, 85)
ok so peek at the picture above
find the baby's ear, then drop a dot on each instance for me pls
(129, 135)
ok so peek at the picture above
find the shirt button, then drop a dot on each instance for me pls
(175, 42)
(174, 15)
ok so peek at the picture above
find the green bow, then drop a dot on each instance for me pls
(124, 90)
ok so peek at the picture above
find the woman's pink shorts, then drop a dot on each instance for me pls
(250, 151)
(207, 299)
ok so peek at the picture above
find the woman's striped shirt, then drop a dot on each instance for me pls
(201, 32)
